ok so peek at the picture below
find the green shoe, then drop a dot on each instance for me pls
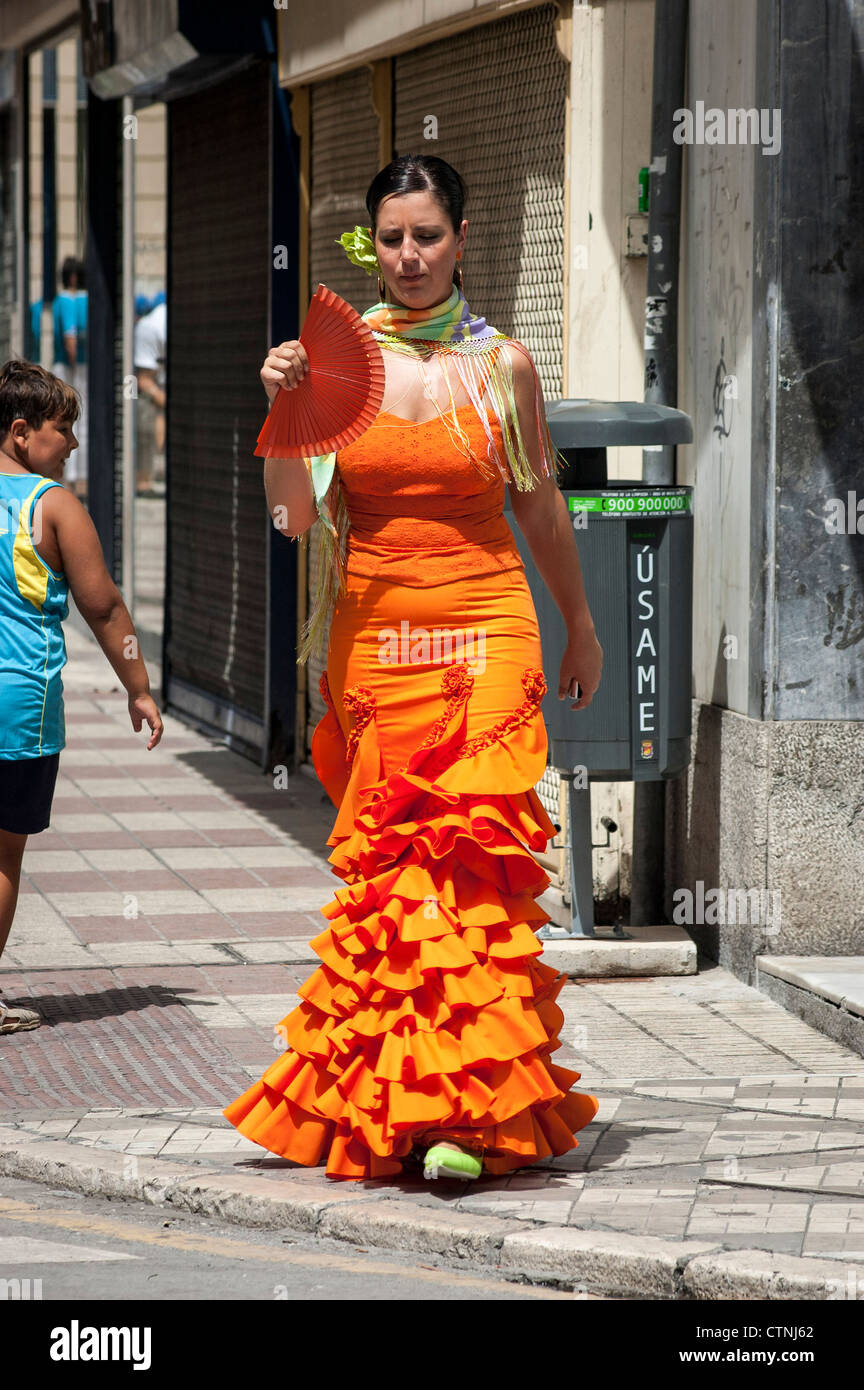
(449, 1163)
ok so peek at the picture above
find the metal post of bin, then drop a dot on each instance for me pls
(581, 878)
(636, 549)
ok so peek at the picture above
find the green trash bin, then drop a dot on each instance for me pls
(635, 544)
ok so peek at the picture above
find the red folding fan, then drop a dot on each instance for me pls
(339, 396)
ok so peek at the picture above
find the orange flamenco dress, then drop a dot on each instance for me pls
(430, 1015)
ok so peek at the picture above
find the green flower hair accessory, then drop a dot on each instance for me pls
(360, 249)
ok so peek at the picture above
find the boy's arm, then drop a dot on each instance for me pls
(94, 591)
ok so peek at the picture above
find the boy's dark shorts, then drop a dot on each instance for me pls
(26, 793)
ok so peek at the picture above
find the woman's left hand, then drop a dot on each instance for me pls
(583, 662)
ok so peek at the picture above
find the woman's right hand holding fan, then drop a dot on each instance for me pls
(285, 365)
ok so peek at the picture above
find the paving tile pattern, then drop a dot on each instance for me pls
(163, 931)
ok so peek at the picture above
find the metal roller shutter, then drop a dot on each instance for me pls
(498, 94)
(344, 160)
(218, 293)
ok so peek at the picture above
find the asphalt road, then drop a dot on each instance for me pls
(81, 1248)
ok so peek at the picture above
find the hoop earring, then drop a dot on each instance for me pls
(458, 279)
(381, 289)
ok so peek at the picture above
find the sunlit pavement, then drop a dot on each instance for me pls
(163, 930)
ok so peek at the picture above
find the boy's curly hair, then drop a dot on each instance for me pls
(29, 392)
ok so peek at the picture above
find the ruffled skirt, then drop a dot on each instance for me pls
(430, 1015)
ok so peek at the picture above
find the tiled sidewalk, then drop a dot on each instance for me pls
(163, 931)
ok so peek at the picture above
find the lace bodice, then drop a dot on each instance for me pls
(422, 512)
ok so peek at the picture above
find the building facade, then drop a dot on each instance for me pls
(546, 110)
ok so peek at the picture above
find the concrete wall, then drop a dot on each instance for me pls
(772, 801)
(776, 807)
(818, 668)
(150, 200)
(610, 140)
(22, 22)
(772, 251)
(139, 28)
(70, 197)
(610, 126)
(715, 326)
(321, 40)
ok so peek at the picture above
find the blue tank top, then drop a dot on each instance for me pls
(33, 604)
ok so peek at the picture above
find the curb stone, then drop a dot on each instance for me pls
(767, 1275)
(405, 1225)
(610, 1262)
(618, 1263)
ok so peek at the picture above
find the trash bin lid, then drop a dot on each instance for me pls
(587, 424)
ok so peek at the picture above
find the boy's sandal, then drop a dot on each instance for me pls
(441, 1162)
(17, 1020)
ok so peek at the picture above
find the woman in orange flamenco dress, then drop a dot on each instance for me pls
(429, 1026)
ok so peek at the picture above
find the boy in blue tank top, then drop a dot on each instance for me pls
(48, 546)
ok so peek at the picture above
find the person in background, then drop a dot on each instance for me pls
(151, 333)
(70, 358)
(48, 546)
